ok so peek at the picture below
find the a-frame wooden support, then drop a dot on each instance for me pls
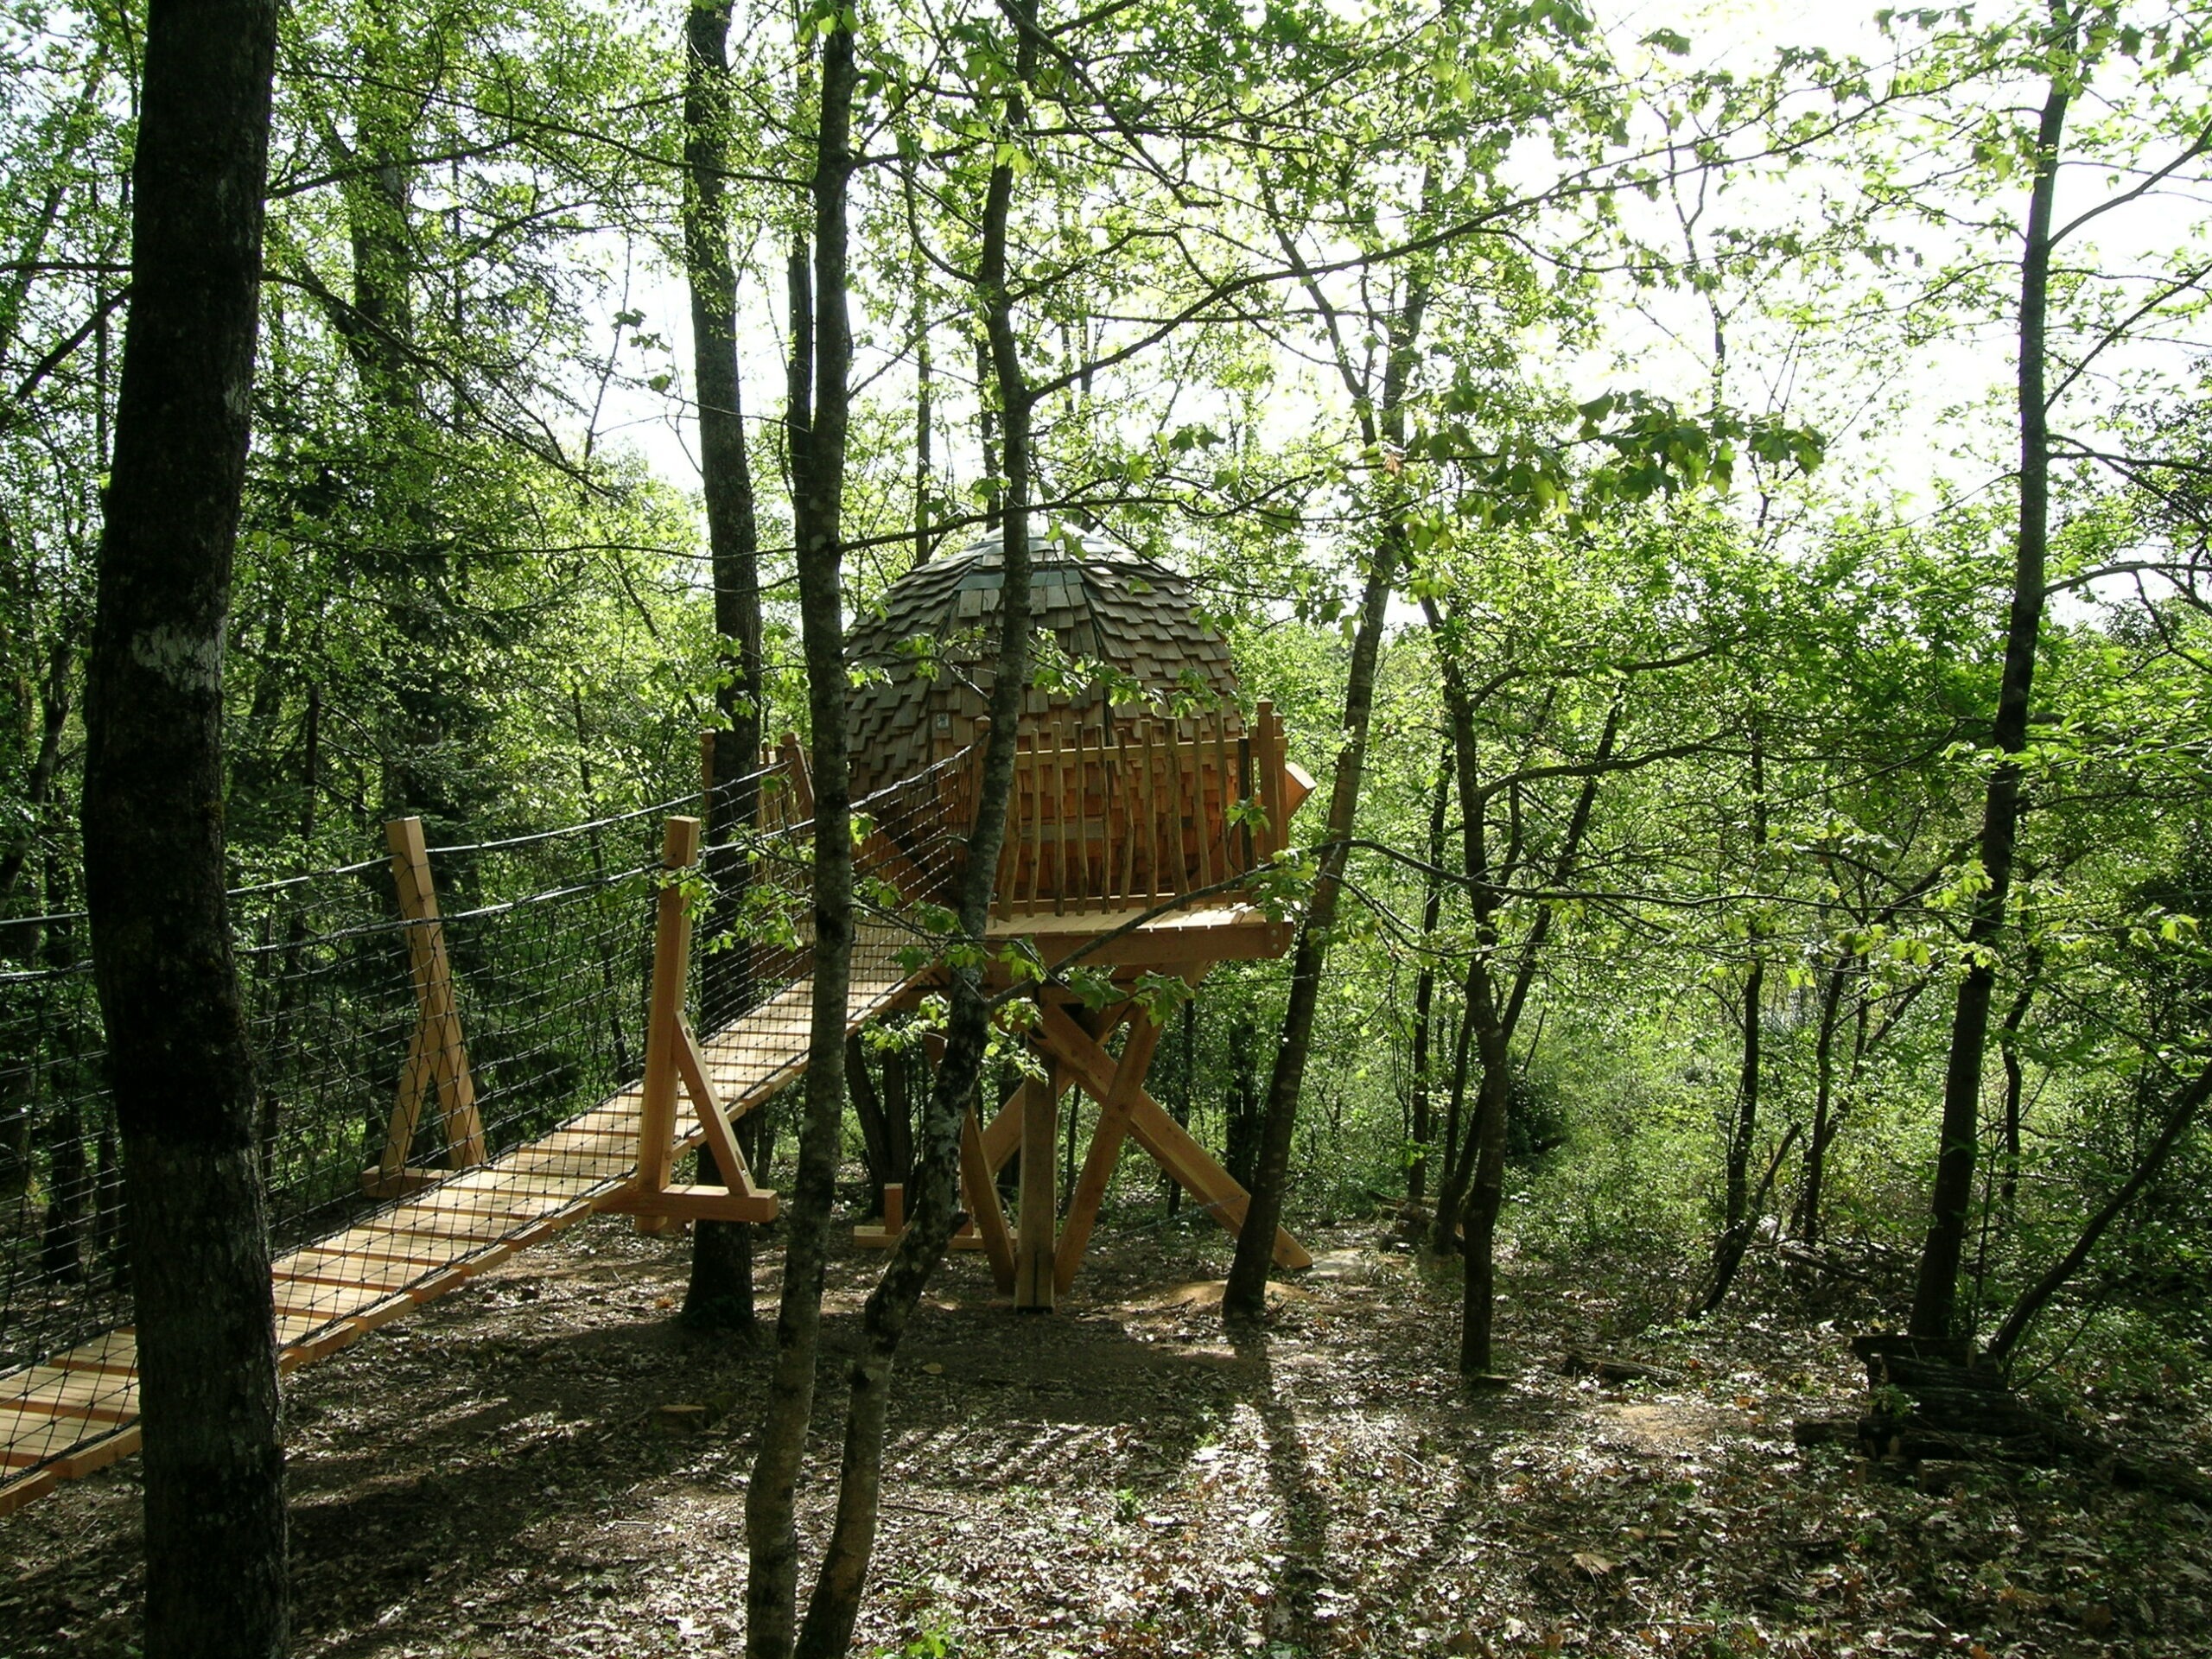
(673, 1060)
(1028, 1261)
(437, 1056)
(1187, 1163)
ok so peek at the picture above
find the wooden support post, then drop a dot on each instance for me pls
(1105, 1150)
(1267, 761)
(1033, 1251)
(894, 1208)
(979, 1188)
(673, 1059)
(679, 851)
(435, 1053)
(794, 760)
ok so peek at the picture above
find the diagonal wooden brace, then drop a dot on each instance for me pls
(1186, 1162)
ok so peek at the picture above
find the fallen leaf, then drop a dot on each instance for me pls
(1593, 1563)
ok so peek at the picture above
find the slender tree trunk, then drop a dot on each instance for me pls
(1486, 1200)
(835, 1604)
(874, 1121)
(54, 720)
(719, 1295)
(1186, 1098)
(818, 469)
(1425, 986)
(924, 381)
(1458, 1158)
(1935, 1303)
(1492, 1024)
(2015, 1090)
(179, 1057)
(1743, 1136)
(1244, 1298)
(1808, 1220)
(988, 433)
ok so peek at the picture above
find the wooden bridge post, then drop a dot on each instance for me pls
(1267, 766)
(793, 756)
(679, 851)
(436, 1052)
(675, 1058)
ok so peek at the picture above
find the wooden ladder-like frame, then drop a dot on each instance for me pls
(435, 1051)
(673, 1060)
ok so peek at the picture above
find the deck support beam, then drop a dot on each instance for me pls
(1033, 1278)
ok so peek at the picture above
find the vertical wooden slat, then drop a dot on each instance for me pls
(1126, 777)
(1178, 814)
(794, 760)
(1147, 812)
(1065, 885)
(1199, 819)
(1266, 760)
(1093, 883)
(1222, 792)
(1243, 795)
(1035, 798)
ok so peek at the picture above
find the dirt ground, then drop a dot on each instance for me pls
(496, 1477)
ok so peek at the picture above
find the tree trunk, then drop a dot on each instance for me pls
(818, 469)
(1420, 1128)
(2186, 1105)
(1458, 1147)
(1807, 1222)
(835, 1604)
(1742, 1137)
(1485, 1199)
(179, 1057)
(2015, 1090)
(874, 1121)
(1935, 1303)
(1244, 1297)
(1492, 1024)
(719, 1295)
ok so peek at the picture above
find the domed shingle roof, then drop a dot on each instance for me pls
(1100, 602)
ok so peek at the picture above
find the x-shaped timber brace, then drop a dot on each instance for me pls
(673, 1057)
(1027, 1260)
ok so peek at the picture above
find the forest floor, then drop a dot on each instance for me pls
(495, 1477)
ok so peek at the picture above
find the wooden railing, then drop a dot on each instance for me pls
(1158, 808)
(1140, 817)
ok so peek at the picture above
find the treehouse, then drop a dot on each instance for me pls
(1142, 795)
